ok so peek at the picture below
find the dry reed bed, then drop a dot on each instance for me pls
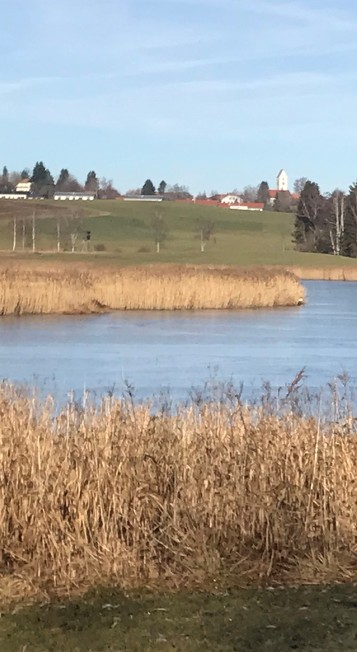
(44, 289)
(209, 494)
(325, 273)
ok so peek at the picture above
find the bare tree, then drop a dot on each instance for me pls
(250, 193)
(107, 190)
(337, 221)
(74, 237)
(34, 231)
(299, 185)
(159, 230)
(206, 229)
(23, 233)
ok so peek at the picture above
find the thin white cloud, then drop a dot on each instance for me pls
(334, 18)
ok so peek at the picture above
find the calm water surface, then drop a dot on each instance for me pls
(175, 351)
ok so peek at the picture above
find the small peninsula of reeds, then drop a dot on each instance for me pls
(210, 493)
(27, 288)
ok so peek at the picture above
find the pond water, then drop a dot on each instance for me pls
(154, 352)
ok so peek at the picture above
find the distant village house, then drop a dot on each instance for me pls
(24, 186)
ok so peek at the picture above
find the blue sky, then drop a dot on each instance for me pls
(213, 94)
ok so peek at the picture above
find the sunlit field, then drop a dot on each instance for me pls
(125, 233)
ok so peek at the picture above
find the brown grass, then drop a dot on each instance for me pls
(211, 494)
(35, 289)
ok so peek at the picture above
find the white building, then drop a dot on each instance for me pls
(12, 195)
(147, 198)
(249, 206)
(282, 182)
(74, 196)
(24, 186)
(231, 199)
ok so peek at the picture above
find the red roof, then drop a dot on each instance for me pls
(206, 202)
(273, 194)
(253, 204)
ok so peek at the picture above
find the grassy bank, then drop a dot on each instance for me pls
(84, 288)
(214, 495)
(309, 619)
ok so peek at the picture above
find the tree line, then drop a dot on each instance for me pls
(327, 223)
(44, 185)
(175, 191)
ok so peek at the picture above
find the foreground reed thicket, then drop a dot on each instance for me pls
(44, 289)
(210, 493)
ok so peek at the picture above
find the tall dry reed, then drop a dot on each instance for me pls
(43, 289)
(325, 273)
(210, 493)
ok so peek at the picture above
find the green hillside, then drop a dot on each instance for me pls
(124, 232)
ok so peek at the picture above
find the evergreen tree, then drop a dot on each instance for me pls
(42, 181)
(63, 178)
(308, 217)
(162, 187)
(148, 188)
(263, 193)
(25, 174)
(92, 183)
(349, 241)
(5, 184)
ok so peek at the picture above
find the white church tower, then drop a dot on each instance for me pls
(282, 181)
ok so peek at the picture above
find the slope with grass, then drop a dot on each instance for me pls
(124, 232)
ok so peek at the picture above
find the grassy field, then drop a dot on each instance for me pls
(125, 232)
(309, 619)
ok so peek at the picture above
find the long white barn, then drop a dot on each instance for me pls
(12, 195)
(74, 196)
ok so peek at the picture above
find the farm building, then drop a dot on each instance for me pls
(231, 199)
(12, 195)
(248, 206)
(24, 186)
(150, 198)
(74, 196)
